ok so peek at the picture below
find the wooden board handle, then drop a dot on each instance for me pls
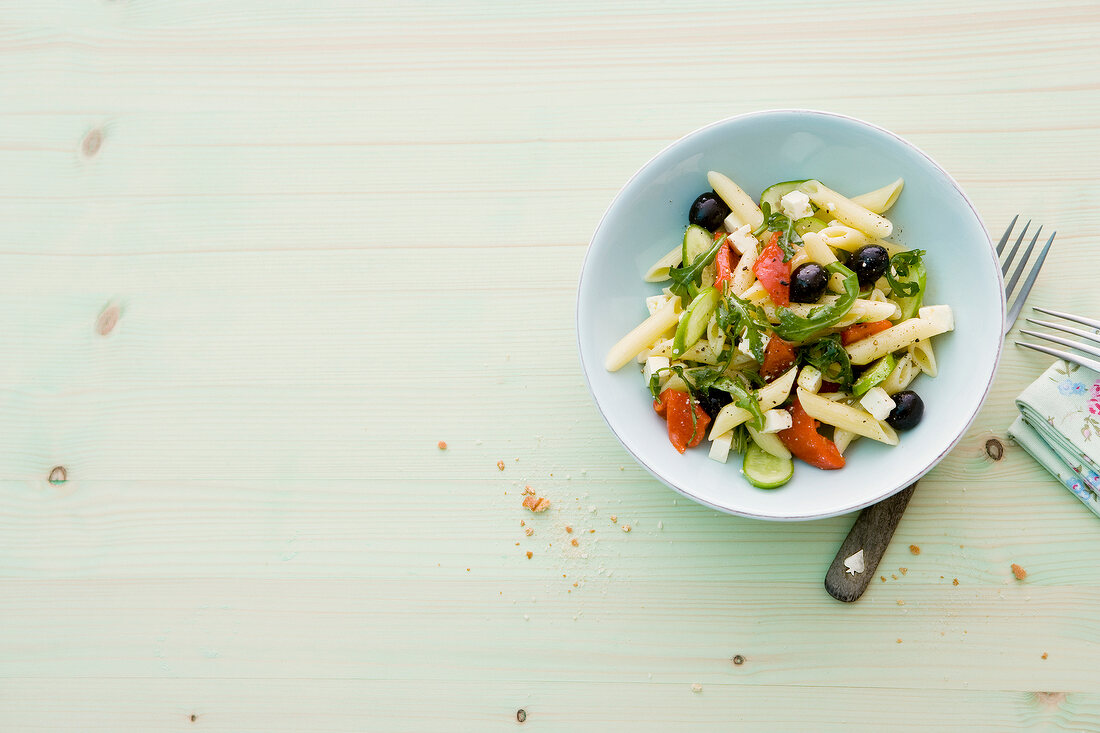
(871, 533)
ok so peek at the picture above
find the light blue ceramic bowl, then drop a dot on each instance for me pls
(649, 215)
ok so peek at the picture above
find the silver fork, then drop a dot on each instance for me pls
(1085, 348)
(875, 525)
(1019, 295)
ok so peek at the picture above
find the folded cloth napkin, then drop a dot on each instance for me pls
(1059, 425)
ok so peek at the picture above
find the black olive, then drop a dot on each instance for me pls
(713, 400)
(808, 283)
(907, 412)
(708, 211)
(869, 263)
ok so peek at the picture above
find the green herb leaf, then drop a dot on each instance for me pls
(826, 354)
(683, 278)
(743, 397)
(901, 264)
(736, 316)
(798, 328)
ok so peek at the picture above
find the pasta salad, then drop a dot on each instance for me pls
(788, 327)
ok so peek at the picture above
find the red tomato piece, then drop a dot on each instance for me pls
(677, 408)
(860, 331)
(725, 263)
(779, 356)
(827, 387)
(773, 273)
(803, 440)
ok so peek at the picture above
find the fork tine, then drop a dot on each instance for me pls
(1015, 248)
(1070, 317)
(1023, 261)
(1092, 350)
(1004, 237)
(1068, 329)
(1021, 296)
(1087, 363)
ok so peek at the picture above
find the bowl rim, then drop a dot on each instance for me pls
(858, 505)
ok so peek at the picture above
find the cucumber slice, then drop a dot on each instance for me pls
(697, 241)
(874, 376)
(694, 323)
(773, 193)
(765, 471)
(809, 224)
(911, 304)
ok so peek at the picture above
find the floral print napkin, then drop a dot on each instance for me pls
(1059, 425)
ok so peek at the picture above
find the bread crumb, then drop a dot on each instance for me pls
(529, 553)
(901, 603)
(882, 578)
(893, 576)
(568, 529)
(536, 503)
(903, 571)
(574, 585)
(1044, 656)
(500, 465)
(899, 641)
(696, 687)
(522, 523)
(955, 581)
(660, 525)
(442, 445)
(575, 543)
(626, 527)
(914, 549)
(517, 544)
(529, 531)
(614, 518)
(591, 531)
(1018, 571)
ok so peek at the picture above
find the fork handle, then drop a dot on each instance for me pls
(871, 533)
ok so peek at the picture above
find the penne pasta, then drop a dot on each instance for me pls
(659, 271)
(846, 211)
(643, 335)
(861, 310)
(743, 276)
(740, 203)
(846, 417)
(817, 249)
(880, 199)
(893, 339)
(904, 372)
(839, 236)
(769, 443)
(924, 357)
(842, 439)
(769, 396)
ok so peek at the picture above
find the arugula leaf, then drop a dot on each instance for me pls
(775, 221)
(736, 315)
(794, 327)
(826, 353)
(684, 277)
(740, 439)
(900, 263)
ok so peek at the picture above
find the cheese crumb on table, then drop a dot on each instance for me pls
(696, 687)
(626, 527)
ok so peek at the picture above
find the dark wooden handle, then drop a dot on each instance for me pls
(871, 533)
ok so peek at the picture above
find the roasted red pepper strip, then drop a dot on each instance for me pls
(773, 273)
(803, 440)
(860, 331)
(676, 407)
(725, 264)
(779, 356)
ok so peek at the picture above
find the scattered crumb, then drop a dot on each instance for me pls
(529, 531)
(500, 465)
(660, 525)
(1044, 656)
(626, 527)
(575, 543)
(442, 445)
(893, 576)
(574, 585)
(591, 531)
(955, 581)
(517, 544)
(899, 641)
(614, 518)
(467, 570)
(901, 603)
(522, 523)
(903, 571)
(696, 687)
(941, 577)
(1018, 571)
(882, 578)
(536, 503)
(526, 617)
(529, 553)
(568, 529)
(914, 549)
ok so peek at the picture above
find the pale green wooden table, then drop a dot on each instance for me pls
(339, 235)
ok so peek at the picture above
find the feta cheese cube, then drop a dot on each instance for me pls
(652, 364)
(877, 402)
(796, 205)
(741, 239)
(810, 379)
(776, 420)
(655, 303)
(720, 447)
(941, 315)
(733, 222)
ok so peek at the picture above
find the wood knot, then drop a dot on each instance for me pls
(521, 715)
(194, 717)
(92, 142)
(995, 449)
(738, 659)
(58, 475)
(1051, 699)
(107, 320)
